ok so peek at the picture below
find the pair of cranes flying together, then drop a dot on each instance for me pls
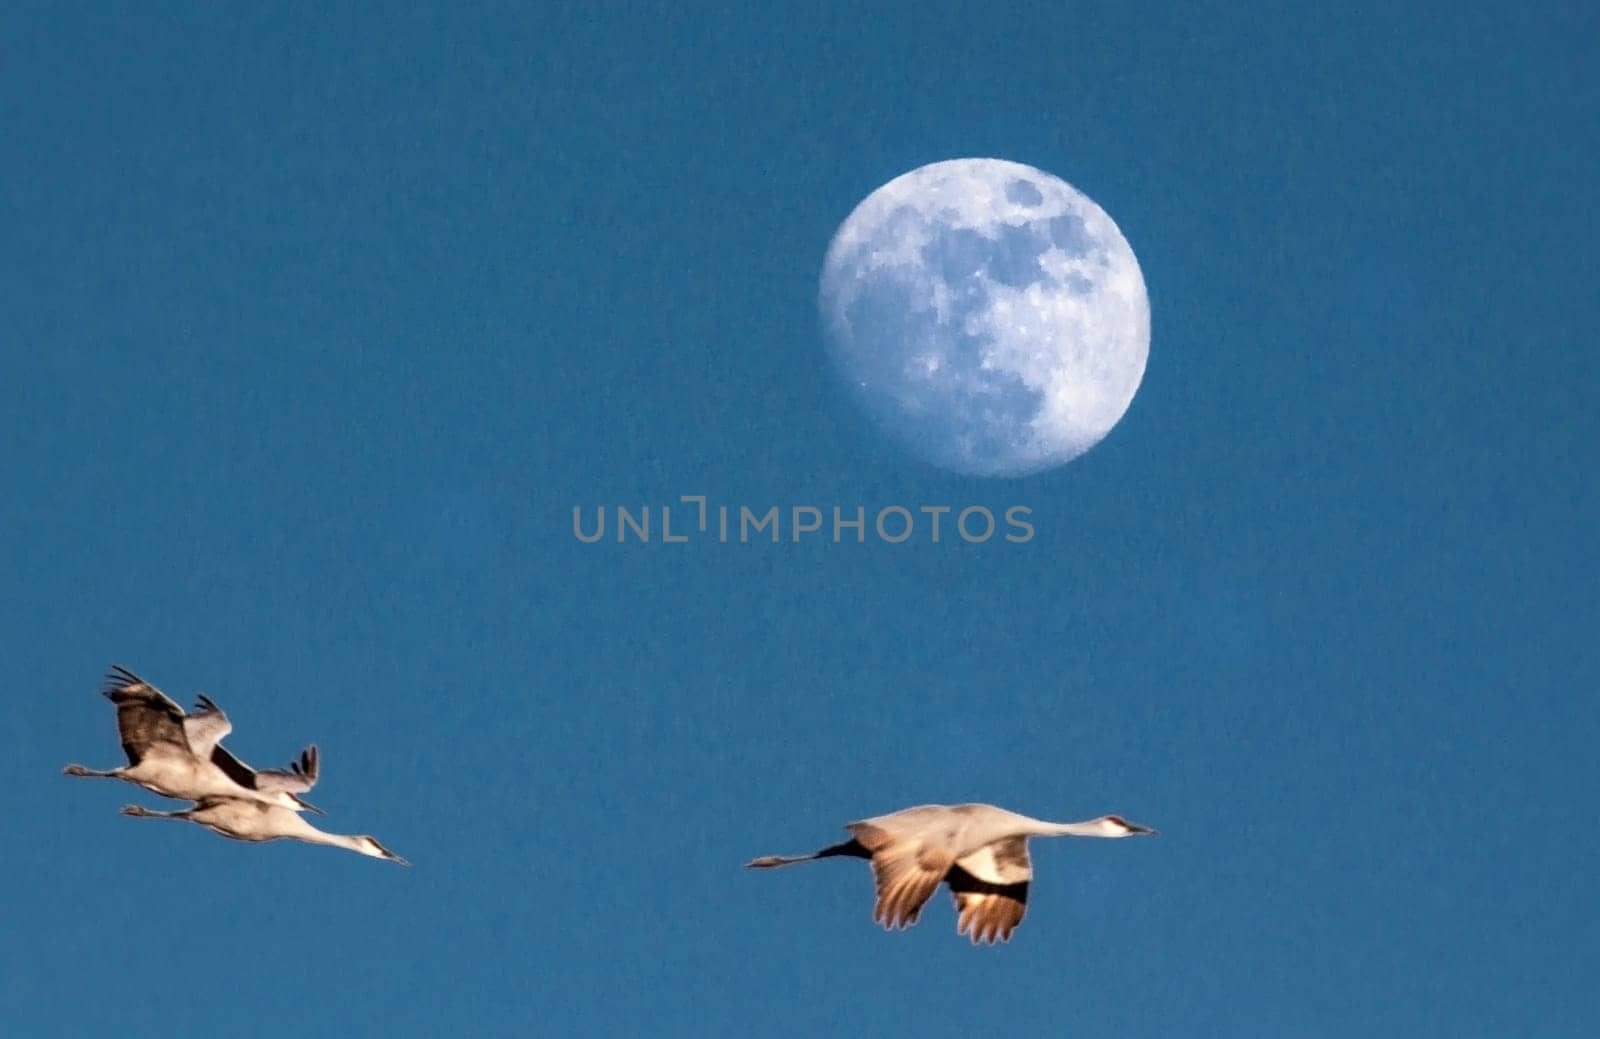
(180, 755)
(978, 850)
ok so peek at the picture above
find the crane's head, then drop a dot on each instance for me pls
(1117, 826)
(369, 846)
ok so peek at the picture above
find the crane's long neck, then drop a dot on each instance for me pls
(311, 835)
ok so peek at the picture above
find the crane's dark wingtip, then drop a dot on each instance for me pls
(119, 677)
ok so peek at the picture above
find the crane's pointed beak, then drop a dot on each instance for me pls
(1143, 831)
(308, 806)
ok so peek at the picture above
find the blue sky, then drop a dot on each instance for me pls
(318, 323)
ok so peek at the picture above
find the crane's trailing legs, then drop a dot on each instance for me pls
(141, 812)
(79, 770)
(851, 848)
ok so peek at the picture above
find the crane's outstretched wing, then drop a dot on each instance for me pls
(907, 871)
(147, 720)
(990, 887)
(235, 769)
(206, 727)
(300, 776)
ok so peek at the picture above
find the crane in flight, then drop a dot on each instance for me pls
(979, 850)
(181, 755)
(258, 821)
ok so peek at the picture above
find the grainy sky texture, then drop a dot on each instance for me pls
(319, 320)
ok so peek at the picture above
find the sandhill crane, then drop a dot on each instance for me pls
(979, 850)
(257, 821)
(180, 755)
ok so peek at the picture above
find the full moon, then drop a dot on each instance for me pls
(988, 316)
